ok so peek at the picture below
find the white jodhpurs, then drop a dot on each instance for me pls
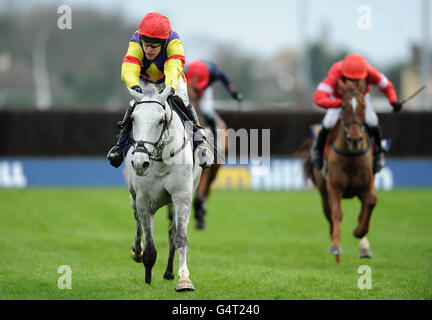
(181, 91)
(333, 115)
(206, 102)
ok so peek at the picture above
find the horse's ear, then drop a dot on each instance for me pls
(362, 85)
(136, 95)
(342, 86)
(165, 93)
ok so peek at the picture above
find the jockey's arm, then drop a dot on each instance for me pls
(131, 66)
(383, 84)
(174, 63)
(322, 96)
(221, 76)
(324, 92)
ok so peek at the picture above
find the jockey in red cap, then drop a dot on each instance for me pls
(156, 55)
(202, 74)
(354, 68)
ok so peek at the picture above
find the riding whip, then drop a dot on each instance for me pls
(413, 95)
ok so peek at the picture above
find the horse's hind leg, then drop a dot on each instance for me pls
(149, 253)
(137, 246)
(169, 273)
(202, 194)
(182, 206)
(199, 201)
(326, 208)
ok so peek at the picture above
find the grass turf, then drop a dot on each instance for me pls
(257, 245)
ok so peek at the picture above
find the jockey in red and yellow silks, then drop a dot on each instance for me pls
(353, 67)
(155, 54)
(166, 67)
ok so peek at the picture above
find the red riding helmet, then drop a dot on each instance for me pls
(354, 66)
(199, 72)
(155, 26)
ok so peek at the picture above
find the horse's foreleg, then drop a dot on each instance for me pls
(182, 206)
(334, 200)
(169, 273)
(149, 252)
(369, 201)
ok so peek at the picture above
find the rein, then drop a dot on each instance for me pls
(139, 146)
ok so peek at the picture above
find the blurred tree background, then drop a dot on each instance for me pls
(84, 63)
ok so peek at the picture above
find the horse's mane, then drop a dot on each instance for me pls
(150, 90)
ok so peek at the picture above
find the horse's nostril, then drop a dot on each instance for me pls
(145, 165)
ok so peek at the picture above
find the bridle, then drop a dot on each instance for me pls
(158, 145)
(346, 126)
(140, 145)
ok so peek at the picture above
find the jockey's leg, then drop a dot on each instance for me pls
(375, 131)
(329, 121)
(204, 154)
(116, 154)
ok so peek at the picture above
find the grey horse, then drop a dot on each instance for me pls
(160, 170)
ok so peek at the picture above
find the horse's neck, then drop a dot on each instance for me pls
(175, 127)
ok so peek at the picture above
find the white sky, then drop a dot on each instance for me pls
(264, 27)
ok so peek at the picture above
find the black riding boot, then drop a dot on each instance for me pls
(379, 161)
(116, 154)
(318, 148)
(205, 155)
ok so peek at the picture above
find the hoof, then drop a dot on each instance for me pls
(365, 253)
(200, 225)
(185, 285)
(335, 250)
(168, 275)
(137, 258)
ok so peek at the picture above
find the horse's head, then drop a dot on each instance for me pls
(353, 112)
(150, 119)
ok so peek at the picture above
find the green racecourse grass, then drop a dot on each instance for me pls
(257, 245)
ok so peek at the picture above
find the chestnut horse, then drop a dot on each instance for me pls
(219, 146)
(349, 169)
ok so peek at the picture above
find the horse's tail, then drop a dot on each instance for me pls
(304, 152)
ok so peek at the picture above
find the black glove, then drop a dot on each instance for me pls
(397, 106)
(172, 92)
(237, 96)
(137, 89)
